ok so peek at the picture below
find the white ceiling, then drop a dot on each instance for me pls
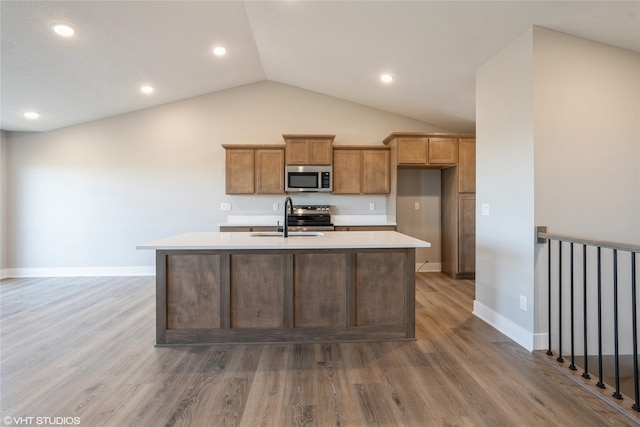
(337, 48)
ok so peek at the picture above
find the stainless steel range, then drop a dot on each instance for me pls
(310, 218)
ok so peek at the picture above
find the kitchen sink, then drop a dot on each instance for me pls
(291, 234)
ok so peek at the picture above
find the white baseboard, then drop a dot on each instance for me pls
(541, 341)
(428, 267)
(514, 331)
(77, 272)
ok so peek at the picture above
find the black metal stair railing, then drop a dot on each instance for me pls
(607, 300)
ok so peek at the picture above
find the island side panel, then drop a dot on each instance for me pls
(410, 294)
(380, 288)
(257, 290)
(320, 290)
(161, 297)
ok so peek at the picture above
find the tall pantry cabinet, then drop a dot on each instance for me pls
(459, 213)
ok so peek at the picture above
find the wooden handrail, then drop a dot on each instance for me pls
(543, 236)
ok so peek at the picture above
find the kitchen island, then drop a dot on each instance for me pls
(260, 287)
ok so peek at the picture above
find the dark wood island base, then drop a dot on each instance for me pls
(284, 295)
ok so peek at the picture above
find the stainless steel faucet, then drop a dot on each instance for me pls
(285, 229)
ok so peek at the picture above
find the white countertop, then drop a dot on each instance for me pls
(329, 240)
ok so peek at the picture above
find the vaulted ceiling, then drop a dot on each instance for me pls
(337, 48)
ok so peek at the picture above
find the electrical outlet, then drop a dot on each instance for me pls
(416, 206)
(372, 206)
(485, 209)
(225, 206)
(275, 206)
(523, 303)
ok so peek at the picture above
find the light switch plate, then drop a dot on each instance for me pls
(225, 206)
(485, 209)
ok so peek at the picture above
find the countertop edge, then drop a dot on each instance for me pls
(244, 241)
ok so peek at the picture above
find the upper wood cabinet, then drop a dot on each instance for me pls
(412, 151)
(427, 151)
(239, 171)
(269, 170)
(347, 171)
(467, 165)
(437, 150)
(376, 171)
(254, 169)
(361, 170)
(309, 149)
(442, 151)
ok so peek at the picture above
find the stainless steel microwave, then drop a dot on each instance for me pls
(309, 178)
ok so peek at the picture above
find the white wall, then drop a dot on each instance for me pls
(505, 181)
(587, 167)
(83, 197)
(421, 186)
(587, 137)
(558, 143)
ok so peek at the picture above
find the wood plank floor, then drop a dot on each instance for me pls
(83, 347)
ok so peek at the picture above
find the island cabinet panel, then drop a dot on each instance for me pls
(193, 291)
(257, 286)
(380, 289)
(284, 295)
(320, 295)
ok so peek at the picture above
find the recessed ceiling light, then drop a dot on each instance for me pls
(219, 51)
(146, 89)
(386, 78)
(64, 30)
(31, 115)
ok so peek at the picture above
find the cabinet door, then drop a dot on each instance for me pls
(380, 288)
(239, 174)
(467, 166)
(412, 151)
(467, 233)
(320, 151)
(376, 171)
(443, 151)
(297, 152)
(257, 290)
(269, 171)
(309, 151)
(193, 291)
(347, 166)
